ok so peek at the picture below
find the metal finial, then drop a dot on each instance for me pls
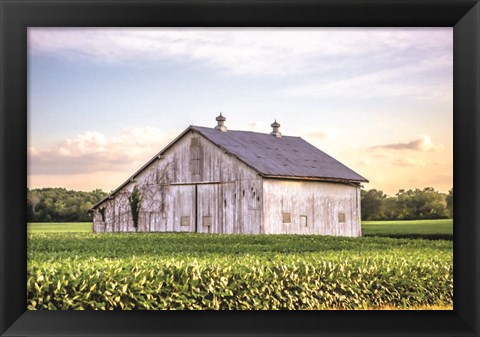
(220, 123)
(275, 125)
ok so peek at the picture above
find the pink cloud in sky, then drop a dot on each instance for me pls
(423, 143)
(93, 152)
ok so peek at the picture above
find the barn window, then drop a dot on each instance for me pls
(196, 156)
(303, 220)
(225, 202)
(207, 221)
(195, 166)
(341, 217)
(185, 221)
(287, 218)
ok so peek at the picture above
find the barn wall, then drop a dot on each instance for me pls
(118, 217)
(321, 203)
(194, 187)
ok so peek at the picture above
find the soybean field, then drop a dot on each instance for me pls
(153, 271)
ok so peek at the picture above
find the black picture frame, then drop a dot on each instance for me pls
(17, 15)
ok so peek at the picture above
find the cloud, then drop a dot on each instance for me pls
(364, 162)
(423, 143)
(408, 162)
(246, 51)
(92, 152)
(381, 155)
(446, 180)
(260, 126)
(318, 136)
(412, 80)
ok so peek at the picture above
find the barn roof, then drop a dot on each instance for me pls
(276, 157)
(284, 156)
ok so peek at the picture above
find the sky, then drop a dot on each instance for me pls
(103, 101)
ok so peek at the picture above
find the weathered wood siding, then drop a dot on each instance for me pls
(118, 217)
(313, 208)
(194, 187)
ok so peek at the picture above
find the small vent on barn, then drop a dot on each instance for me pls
(220, 123)
(207, 221)
(303, 221)
(275, 126)
(185, 221)
(287, 218)
(341, 217)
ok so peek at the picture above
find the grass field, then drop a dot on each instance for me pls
(442, 228)
(59, 227)
(81, 270)
(426, 229)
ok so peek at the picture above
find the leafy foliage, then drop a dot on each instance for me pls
(212, 271)
(102, 213)
(135, 200)
(449, 200)
(406, 205)
(60, 204)
(372, 204)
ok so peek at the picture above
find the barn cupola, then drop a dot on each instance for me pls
(275, 131)
(220, 121)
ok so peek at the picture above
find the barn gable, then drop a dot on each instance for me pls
(191, 185)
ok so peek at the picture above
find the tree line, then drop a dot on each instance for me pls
(407, 205)
(60, 204)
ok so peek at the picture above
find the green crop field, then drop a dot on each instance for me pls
(209, 271)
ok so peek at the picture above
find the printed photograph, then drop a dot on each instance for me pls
(240, 169)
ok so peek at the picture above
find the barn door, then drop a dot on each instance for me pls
(184, 208)
(228, 207)
(207, 208)
(176, 213)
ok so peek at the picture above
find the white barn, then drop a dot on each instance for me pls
(214, 180)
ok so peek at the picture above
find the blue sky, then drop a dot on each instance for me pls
(103, 101)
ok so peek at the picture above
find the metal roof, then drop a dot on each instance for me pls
(271, 156)
(284, 156)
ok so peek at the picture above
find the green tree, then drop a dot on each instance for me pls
(372, 204)
(390, 211)
(60, 204)
(449, 199)
(421, 204)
